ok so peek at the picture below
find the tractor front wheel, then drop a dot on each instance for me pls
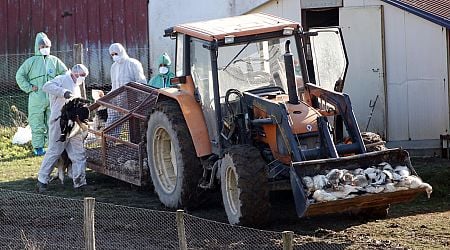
(244, 186)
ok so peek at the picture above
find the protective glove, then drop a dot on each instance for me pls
(68, 95)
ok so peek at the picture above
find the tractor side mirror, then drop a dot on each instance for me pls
(169, 33)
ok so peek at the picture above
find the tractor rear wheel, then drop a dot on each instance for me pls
(174, 167)
(244, 185)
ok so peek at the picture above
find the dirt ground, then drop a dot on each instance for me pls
(417, 225)
(422, 224)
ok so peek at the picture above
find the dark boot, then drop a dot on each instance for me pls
(41, 187)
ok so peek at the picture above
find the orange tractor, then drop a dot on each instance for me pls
(243, 114)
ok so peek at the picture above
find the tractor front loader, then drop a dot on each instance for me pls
(244, 117)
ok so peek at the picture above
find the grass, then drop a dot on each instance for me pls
(19, 168)
(421, 224)
(18, 171)
(11, 152)
(21, 175)
(436, 172)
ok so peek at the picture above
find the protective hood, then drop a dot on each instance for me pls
(41, 38)
(164, 59)
(119, 49)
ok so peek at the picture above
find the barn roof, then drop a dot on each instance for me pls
(436, 11)
(237, 26)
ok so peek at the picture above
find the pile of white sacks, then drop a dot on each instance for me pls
(345, 184)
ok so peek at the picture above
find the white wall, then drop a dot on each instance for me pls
(289, 9)
(416, 77)
(361, 3)
(165, 14)
(417, 86)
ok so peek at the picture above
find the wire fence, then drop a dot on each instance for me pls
(97, 60)
(33, 221)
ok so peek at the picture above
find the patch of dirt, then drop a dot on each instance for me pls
(422, 231)
(421, 224)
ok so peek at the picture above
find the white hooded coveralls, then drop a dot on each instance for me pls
(125, 70)
(73, 145)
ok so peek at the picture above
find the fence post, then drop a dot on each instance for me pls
(288, 237)
(78, 58)
(89, 232)
(181, 230)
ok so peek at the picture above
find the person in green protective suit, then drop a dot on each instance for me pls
(30, 77)
(162, 79)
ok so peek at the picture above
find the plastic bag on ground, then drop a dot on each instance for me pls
(22, 136)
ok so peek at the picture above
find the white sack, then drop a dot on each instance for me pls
(22, 136)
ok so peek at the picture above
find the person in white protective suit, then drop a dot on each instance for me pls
(60, 90)
(124, 70)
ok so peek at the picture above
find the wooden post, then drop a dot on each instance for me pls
(89, 232)
(288, 237)
(181, 230)
(78, 58)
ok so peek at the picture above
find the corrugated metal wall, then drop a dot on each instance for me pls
(96, 24)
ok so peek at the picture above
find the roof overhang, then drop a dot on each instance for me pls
(417, 8)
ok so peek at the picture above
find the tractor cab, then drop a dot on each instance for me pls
(230, 56)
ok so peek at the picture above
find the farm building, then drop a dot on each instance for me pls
(398, 54)
(95, 24)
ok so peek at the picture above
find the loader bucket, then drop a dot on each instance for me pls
(394, 157)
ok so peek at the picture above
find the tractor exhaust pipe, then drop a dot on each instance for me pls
(290, 76)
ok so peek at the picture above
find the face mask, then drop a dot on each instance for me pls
(45, 51)
(163, 70)
(80, 80)
(116, 58)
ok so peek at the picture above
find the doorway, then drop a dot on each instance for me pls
(362, 29)
(312, 18)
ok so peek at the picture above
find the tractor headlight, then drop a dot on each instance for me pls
(288, 31)
(229, 39)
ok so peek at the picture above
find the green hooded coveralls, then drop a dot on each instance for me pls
(36, 71)
(162, 80)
